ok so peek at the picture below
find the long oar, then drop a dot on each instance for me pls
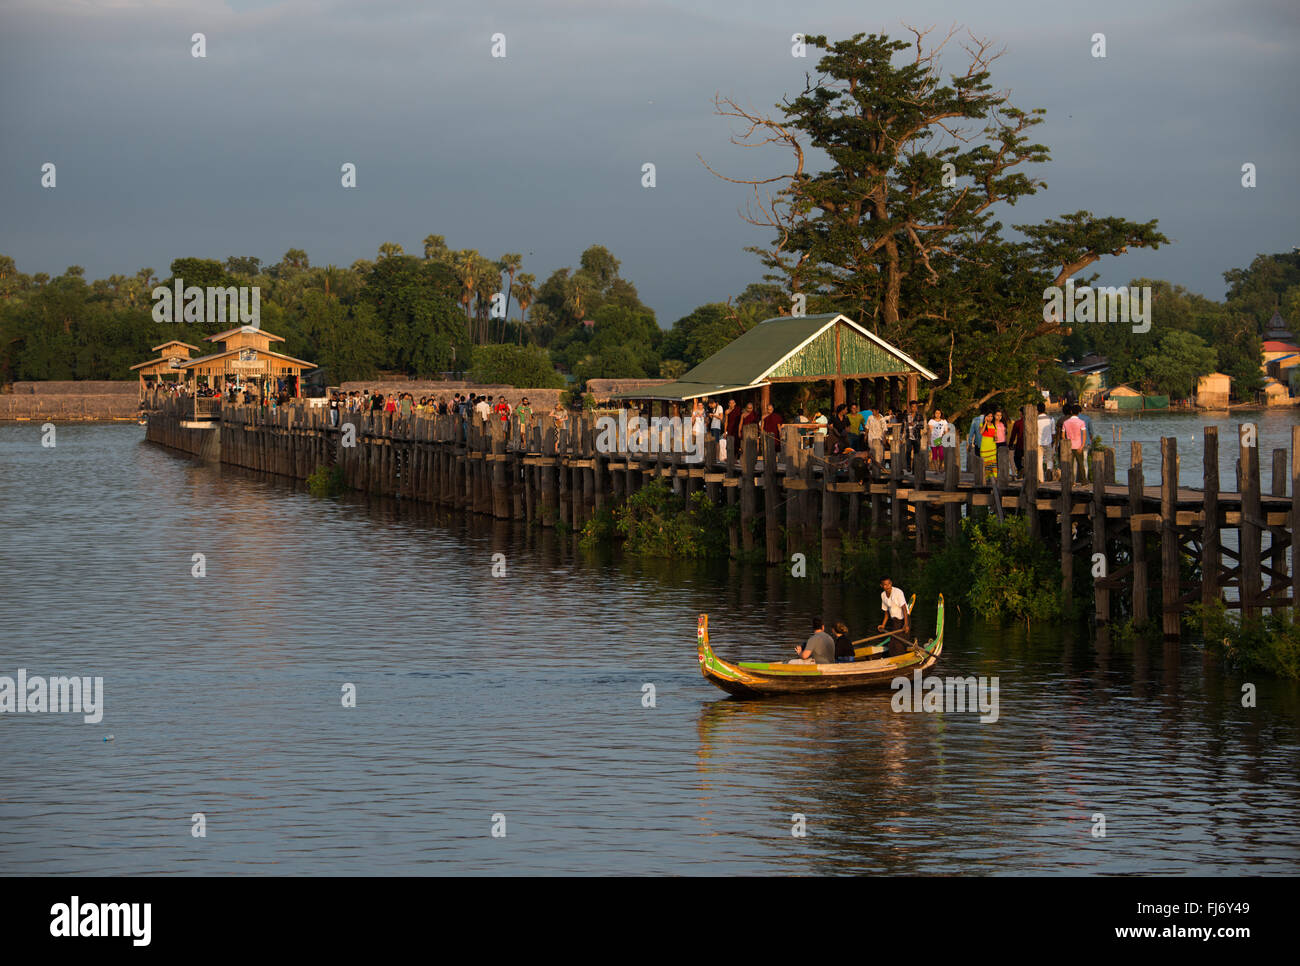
(914, 645)
(874, 638)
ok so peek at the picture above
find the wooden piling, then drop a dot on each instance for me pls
(1067, 526)
(1169, 561)
(748, 496)
(1101, 584)
(1210, 551)
(1029, 484)
(1137, 536)
(1295, 521)
(1277, 539)
(1251, 529)
(772, 497)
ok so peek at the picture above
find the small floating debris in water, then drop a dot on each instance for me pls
(108, 737)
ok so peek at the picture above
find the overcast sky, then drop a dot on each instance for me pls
(160, 154)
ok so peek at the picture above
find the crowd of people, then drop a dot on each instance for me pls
(468, 407)
(846, 431)
(863, 431)
(990, 432)
(246, 394)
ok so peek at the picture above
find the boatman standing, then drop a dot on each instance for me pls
(894, 605)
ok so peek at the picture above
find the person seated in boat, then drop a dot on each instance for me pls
(893, 603)
(843, 643)
(818, 649)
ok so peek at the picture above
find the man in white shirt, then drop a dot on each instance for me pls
(482, 409)
(875, 429)
(1046, 430)
(893, 603)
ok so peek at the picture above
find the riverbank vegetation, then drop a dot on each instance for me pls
(1269, 644)
(326, 481)
(656, 522)
(995, 569)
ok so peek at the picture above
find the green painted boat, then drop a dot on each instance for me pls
(752, 679)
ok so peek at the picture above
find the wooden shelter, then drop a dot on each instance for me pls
(806, 348)
(245, 358)
(171, 360)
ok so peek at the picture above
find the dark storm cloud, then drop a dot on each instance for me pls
(160, 154)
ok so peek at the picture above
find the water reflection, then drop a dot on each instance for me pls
(523, 694)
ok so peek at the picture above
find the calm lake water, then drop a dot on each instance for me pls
(522, 696)
(1273, 432)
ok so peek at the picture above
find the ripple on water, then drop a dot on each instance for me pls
(522, 696)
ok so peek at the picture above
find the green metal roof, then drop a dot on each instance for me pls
(802, 347)
(681, 391)
(788, 347)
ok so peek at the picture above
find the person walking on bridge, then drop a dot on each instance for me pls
(1046, 432)
(1076, 431)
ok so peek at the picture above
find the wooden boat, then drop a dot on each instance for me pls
(752, 679)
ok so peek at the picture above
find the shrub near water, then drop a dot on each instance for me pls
(326, 481)
(997, 569)
(1270, 644)
(1014, 574)
(656, 522)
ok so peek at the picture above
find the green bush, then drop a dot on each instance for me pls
(656, 522)
(326, 481)
(998, 569)
(598, 530)
(1270, 644)
(1013, 574)
(526, 367)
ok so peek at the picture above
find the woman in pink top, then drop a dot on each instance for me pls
(1000, 435)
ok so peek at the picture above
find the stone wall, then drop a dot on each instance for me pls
(603, 389)
(71, 400)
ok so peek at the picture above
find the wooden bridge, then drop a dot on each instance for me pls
(1126, 533)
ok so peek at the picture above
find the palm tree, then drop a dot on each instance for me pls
(489, 284)
(467, 265)
(510, 263)
(390, 249)
(524, 294)
(329, 274)
(436, 250)
(130, 288)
